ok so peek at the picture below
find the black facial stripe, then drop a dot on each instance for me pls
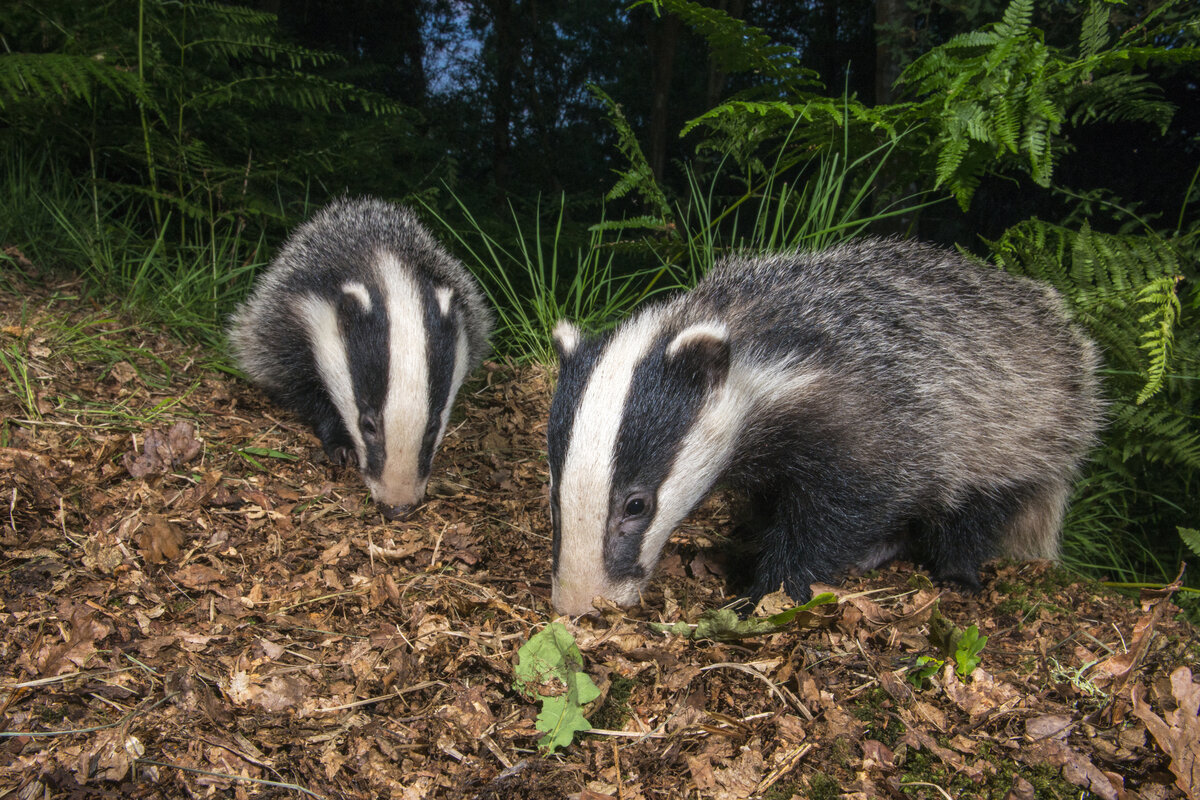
(366, 336)
(660, 409)
(573, 375)
(441, 354)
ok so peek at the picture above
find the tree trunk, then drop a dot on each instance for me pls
(893, 21)
(502, 97)
(663, 35)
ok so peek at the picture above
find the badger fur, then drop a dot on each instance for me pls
(878, 399)
(365, 328)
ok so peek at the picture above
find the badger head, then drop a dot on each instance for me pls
(639, 431)
(392, 353)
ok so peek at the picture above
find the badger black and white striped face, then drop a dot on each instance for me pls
(641, 425)
(391, 351)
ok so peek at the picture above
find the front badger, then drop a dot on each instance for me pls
(878, 399)
(365, 328)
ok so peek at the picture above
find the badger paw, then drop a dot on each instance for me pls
(342, 456)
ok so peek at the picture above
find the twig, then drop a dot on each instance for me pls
(227, 776)
(944, 793)
(121, 721)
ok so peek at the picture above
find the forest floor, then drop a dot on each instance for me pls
(195, 603)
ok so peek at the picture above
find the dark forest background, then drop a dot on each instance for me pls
(582, 156)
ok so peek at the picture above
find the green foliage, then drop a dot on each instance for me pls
(725, 625)
(532, 283)
(638, 177)
(51, 78)
(550, 669)
(738, 47)
(1191, 538)
(998, 98)
(924, 668)
(967, 650)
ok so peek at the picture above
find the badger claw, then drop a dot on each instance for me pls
(342, 456)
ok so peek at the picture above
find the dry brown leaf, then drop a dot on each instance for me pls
(164, 452)
(198, 576)
(981, 695)
(159, 540)
(1048, 726)
(1178, 732)
(1076, 768)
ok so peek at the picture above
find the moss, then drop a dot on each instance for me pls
(614, 712)
(874, 708)
(920, 766)
(823, 787)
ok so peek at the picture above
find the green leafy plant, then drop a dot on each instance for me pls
(967, 650)
(924, 668)
(550, 670)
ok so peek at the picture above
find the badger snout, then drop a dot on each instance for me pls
(396, 513)
(574, 599)
(397, 502)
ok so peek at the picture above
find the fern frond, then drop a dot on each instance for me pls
(1159, 324)
(639, 177)
(1093, 36)
(1015, 21)
(56, 77)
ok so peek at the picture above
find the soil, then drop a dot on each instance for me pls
(196, 603)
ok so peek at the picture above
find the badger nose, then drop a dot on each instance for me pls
(393, 513)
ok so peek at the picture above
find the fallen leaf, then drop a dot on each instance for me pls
(159, 540)
(1178, 732)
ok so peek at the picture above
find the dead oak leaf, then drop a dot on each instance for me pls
(982, 695)
(159, 540)
(164, 452)
(1177, 732)
(198, 577)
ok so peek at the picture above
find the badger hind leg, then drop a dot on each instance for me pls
(1034, 530)
(955, 543)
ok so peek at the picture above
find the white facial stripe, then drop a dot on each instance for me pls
(586, 479)
(702, 330)
(406, 405)
(709, 444)
(359, 293)
(444, 295)
(319, 318)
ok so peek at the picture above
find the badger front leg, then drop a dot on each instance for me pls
(810, 532)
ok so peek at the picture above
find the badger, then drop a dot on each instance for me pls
(364, 327)
(882, 398)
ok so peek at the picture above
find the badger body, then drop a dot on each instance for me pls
(878, 399)
(365, 328)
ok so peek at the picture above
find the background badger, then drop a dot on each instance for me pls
(877, 399)
(365, 328)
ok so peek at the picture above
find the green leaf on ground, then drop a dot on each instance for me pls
(550, 668)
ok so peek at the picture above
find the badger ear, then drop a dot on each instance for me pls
(700, 352)
(445, 299)
(566, 339)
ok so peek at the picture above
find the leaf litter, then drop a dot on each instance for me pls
(197, 604)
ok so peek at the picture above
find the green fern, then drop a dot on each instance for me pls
(739, 48)
(999, 97)
(638, 177)
(56, 77)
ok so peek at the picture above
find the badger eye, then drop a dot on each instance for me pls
(635, 507)
(367, 426)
